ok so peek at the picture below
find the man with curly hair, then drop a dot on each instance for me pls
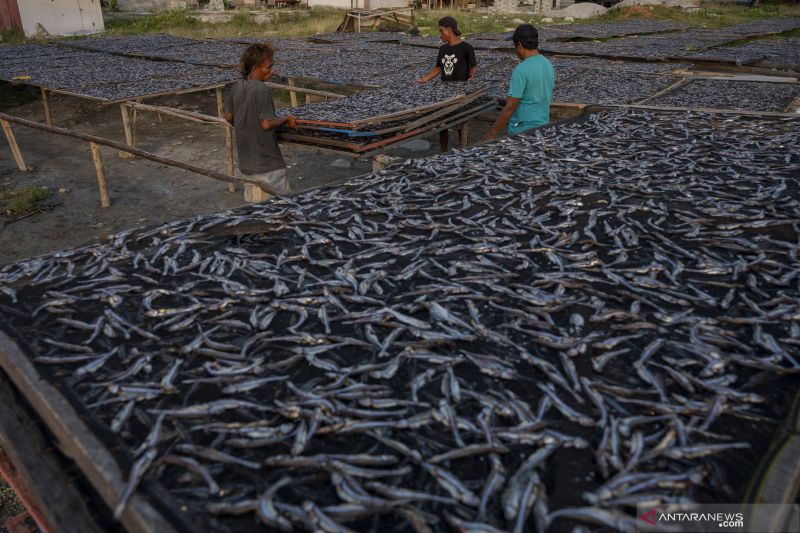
(250, 110)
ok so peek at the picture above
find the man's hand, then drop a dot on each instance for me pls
(291, 121)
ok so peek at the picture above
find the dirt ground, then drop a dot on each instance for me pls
(143, 193)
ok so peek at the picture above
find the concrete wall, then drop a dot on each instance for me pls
(343, 4)
(154, 5)
(61, 17)
(385, 4)
(504, 6)
(359, 4)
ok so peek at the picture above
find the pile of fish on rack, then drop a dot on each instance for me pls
(521, 335)
(154, 64)
(123, 74)
(728, 94)
(369, 120)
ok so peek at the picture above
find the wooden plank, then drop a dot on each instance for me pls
(49, 488)
(12, 143)
(417, 110)
(358, 124)
(450, 123)
(47, 116)
(304, 90)
(429, 117)
(228, 140)
(463, 135)
(179, 113)
(101, 175)
(77, 442)
(309, 139)
(567, 105)
(705, 110)
(670, 88)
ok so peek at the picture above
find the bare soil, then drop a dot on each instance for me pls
(143, 193)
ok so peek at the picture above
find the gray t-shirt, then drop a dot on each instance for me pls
(250, 102)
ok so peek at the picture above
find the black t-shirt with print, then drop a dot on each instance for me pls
(456, 61)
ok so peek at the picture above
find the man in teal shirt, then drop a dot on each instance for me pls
(531, 87)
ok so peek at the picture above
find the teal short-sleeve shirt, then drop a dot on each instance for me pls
(532, 81)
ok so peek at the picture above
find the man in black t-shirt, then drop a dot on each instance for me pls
(455, 62)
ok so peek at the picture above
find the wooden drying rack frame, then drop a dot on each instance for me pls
(129, 109)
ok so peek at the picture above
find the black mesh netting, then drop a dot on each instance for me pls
(532, 333)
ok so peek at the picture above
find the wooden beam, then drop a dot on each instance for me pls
(672, 87)
(136, 151)
(303, 90)
(101, 175)
(49, 488)
(12, 143)
(78, 442)
(292, 93)
(228, 140)
(47, 116)
(179, 113)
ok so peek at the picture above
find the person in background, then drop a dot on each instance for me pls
(250, 110)
(455, 62)
(530, 89)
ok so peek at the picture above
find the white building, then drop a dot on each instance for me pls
(54, 17)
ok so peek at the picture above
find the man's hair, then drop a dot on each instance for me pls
(528, 43)
(255, 55)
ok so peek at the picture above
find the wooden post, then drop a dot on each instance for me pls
(12, 143)
(463, 135)
(228, 141)
(134, 115)
(48, 118)
(101, 175)
(292, 94)
(126, 124)
(254, 193)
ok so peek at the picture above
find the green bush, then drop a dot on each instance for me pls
(23, 200)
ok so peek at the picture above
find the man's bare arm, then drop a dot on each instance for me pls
(277, 122)
(502, 121)
(435, 71)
